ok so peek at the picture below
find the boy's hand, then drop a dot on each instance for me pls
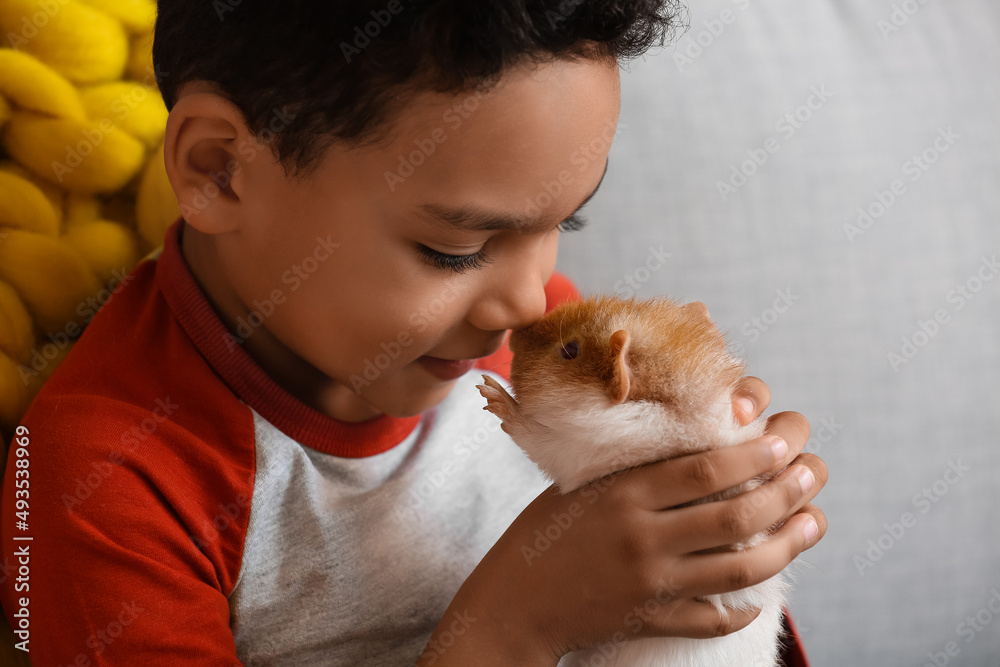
(750, 398)
(623, 564)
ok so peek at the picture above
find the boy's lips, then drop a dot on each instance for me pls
(447, 369)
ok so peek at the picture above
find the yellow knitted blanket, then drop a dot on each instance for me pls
(83, 190)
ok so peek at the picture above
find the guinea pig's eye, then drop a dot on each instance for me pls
(570, 350)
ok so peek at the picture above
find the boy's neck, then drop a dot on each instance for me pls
(293, 373)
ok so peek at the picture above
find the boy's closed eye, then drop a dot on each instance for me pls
(475, 219)
(462, 263)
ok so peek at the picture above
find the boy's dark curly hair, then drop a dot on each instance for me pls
(344, 70)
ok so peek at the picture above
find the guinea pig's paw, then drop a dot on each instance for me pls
(498, 401)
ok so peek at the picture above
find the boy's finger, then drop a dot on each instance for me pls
(820, 476)
(723, 522)
(750, 398)
(696, 619)
(793, 428)
(727, 571)
(665, 484)
(820, 519)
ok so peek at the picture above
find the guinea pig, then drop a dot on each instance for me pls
(606, 384)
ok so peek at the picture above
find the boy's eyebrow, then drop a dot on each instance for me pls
(477, 219)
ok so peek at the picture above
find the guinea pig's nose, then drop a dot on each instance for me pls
(700, 308)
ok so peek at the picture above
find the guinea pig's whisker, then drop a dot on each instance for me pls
(494, 366)
(561, 319)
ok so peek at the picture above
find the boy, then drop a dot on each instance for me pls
(267, 448)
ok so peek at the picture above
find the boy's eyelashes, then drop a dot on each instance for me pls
(573, 223)
(462, 263)
(455, 263)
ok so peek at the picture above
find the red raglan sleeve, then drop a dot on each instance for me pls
(792, 653)
(128, 562)
(559, 289)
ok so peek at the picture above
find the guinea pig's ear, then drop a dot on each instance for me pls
(620, 374)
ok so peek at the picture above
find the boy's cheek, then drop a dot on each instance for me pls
(418, 321)
(291, 280)
(392, 351)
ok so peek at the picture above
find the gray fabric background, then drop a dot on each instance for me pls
(889, 433)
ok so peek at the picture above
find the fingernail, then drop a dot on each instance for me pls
(779, 448)
(805, 477)
(746, 405)
(811, 530)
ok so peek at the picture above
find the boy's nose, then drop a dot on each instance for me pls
(513, 304)
(524, 304)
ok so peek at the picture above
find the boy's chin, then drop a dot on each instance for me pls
(411, 401)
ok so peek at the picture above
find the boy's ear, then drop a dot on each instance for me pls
(200, 153)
